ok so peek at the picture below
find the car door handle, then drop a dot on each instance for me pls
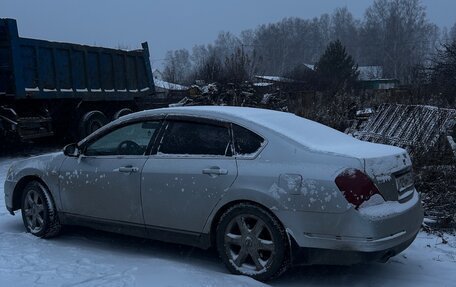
(215, 171)
(127, 169)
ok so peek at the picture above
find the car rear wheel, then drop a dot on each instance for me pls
(38, 211)
(252, 242)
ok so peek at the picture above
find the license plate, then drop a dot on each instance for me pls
(404, 181)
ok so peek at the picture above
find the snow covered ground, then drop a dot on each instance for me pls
(83, 257)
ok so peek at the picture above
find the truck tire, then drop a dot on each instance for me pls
(91, 122)
(121, 112)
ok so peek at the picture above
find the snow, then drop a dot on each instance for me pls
(36, 89)
(169, 86)
(310, 134)
(452, 144)
(276, 191)
(427, 262)
(266, 98)
(374, 200)
(370, 73)
(275, 79)
(84, 257)
(262, 84)
(310, 66)
(388, 208)
(364, 112)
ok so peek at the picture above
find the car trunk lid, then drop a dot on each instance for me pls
(392, 174)
(389, 167)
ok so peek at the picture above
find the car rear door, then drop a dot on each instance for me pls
(104, 182)
(187, 174)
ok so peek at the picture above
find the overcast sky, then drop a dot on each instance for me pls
(172, 24)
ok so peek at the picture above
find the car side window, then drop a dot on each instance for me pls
(245, 141)
(195, 138)
(131, 139)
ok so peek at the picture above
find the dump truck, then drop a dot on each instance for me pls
(51, 88)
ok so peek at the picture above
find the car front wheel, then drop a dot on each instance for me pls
(38, 211)
(252, 242)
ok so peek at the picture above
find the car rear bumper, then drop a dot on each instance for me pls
(349, 237)
(319, 256)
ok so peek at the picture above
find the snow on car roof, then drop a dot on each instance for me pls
(311, 134)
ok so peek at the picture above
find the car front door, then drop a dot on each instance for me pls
(187, 174)
(104, 182)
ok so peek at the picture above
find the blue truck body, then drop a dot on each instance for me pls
(47, 87)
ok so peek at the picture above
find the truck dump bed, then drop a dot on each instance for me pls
(39, 69)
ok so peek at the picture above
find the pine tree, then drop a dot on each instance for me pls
(336, 69)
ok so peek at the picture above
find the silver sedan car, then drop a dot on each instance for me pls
(267, 189)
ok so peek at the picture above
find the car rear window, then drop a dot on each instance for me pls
(246, 142)
(195, 138)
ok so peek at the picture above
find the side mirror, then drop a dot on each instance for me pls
(72, 150)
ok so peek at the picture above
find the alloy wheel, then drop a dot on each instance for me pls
(34, 211)
(249, 244)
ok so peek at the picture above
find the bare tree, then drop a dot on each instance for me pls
(394, 34)
(237, 67)
(177, 66)
(398, 36)
(210, 68)
(452, 33)
(290, 42)
(225, 45)
(444, 73)
(346, 29)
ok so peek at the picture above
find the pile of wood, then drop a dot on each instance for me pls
(234, 95)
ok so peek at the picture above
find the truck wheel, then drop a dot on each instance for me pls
(121, 112)
(38, 211)
(251, 242)
(91, 122)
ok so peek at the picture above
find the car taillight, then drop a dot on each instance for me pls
(356, 186)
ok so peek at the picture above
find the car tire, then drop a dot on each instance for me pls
(38, 211)
(90, 122)
(121, 113)
(259, 249)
